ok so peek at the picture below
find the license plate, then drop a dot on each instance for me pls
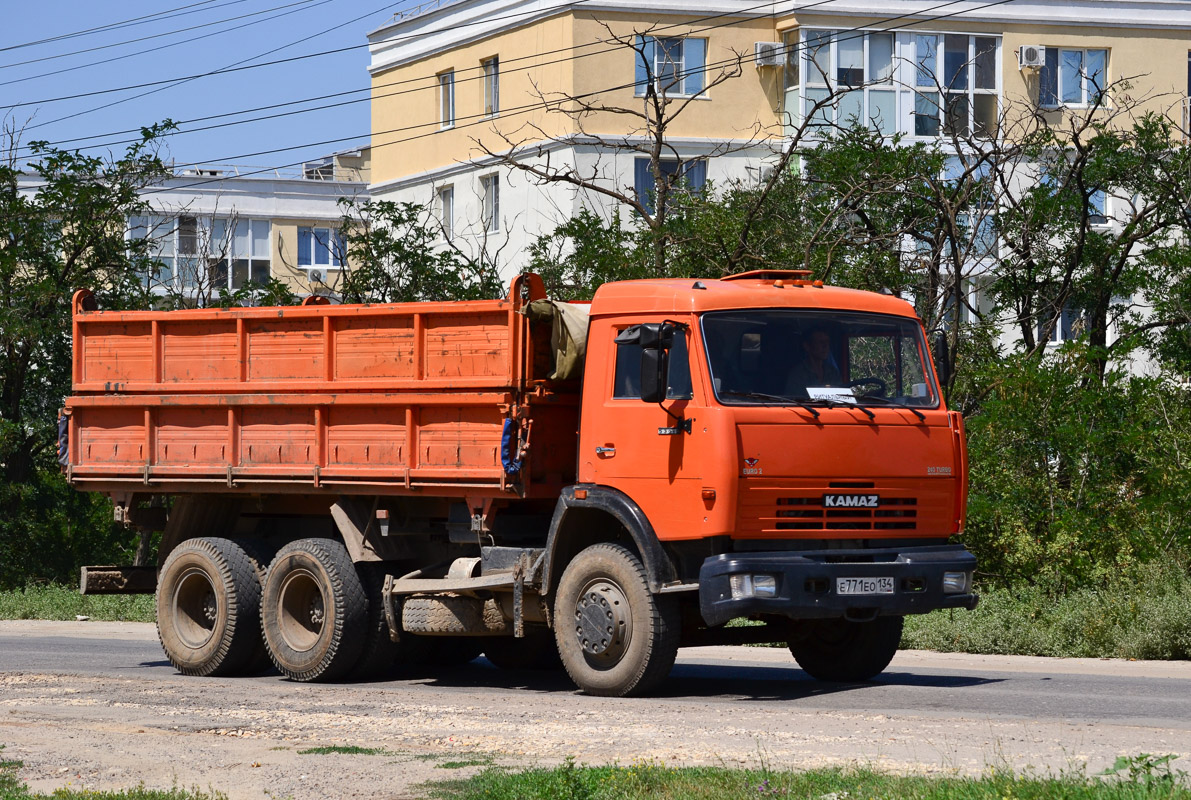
(864, 585)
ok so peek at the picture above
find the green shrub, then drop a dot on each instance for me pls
(1144, 614)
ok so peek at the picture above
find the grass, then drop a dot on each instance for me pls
(49, 601)
(13, 788)
(648, 781)
(348, 750)
(471, 762)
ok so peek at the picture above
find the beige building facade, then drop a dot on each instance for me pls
(456, 85)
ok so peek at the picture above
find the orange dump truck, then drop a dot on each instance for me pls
(343, 488)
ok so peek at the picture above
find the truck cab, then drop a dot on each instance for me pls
(789, 447)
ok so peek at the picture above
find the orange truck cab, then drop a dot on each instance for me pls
(346, 488)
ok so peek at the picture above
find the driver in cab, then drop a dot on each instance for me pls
(816, 367)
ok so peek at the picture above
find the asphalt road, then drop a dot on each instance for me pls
(99, 701)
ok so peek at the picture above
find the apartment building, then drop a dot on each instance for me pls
(215, 227)
(457, 84)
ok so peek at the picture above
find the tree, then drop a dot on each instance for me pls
(62, 227)
(394, 258)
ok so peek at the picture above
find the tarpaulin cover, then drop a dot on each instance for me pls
(568, 335)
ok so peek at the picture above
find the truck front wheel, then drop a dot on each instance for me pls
(208, 608)
(840, 650)
(314, 611)
(614, 636)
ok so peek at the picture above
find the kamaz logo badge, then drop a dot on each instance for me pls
(750, 467)
(851, 500)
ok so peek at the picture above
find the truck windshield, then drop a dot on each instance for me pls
(783, 356)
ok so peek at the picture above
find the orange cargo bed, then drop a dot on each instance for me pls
(345, 399)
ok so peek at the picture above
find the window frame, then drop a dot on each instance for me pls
(896, 85)
(694, 172)
(490, 202)
(329, 240)
(684, 78)
(1052, 98)
(491, 71)
(210, 254)
(446, 99)
(445, 197)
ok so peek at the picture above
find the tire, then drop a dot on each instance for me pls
(260, 553)
(380, 652)
(314, 611)
(615, 638)
(536, 650)
(839, 650)
(208, 608)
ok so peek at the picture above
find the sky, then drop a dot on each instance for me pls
(181, 39)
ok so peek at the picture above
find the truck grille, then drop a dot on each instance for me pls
(793, 508)
(809, 514)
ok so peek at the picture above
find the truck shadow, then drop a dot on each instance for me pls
(696, 681)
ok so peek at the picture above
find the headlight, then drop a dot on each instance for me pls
(956, 582)
(747, 585)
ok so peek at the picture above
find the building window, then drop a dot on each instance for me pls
(490, 202)
(1072, 77)
(689, 176)
(320, 250)
(446, 99)
(1098, 207)
(161, 233)
(910, 83)
(196, 253)
(446, 211)
(1070, 325)
(241, 244)
(676, 65)
(491, 68)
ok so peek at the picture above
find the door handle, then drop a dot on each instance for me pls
(605, 451)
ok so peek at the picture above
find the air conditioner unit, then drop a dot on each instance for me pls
(1031, 55)
(768, 54)
(316, 276)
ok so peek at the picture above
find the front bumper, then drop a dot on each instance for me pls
(806, 583)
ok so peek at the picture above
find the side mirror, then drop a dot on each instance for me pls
(655, 364)
(655, 340)
(942, 358)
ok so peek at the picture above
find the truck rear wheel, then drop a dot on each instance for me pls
(314, 611)
(615, 637)
(839, 650)
(208, 608)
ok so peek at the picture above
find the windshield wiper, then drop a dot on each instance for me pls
(890, 402)
(780, 398)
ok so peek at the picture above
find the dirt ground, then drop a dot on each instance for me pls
(126, 717)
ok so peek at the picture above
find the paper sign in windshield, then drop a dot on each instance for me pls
(838, 394)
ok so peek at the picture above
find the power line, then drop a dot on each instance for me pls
(137, 40)
(789, 48)
(322, 32)
(128, 23)
(477, 69)
(480, 119)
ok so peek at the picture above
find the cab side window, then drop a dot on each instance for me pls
(627, 383)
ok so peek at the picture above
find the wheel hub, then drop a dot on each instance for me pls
(194, 608)
(301, 610)
(603, 623)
